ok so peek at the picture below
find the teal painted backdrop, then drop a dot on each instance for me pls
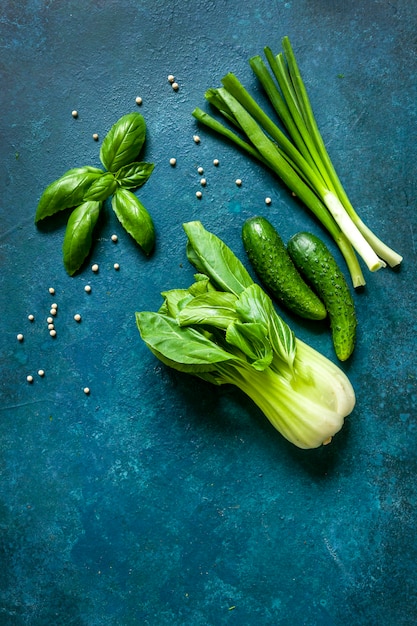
(158, 500)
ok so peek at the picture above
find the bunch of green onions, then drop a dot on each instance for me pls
(296, 153)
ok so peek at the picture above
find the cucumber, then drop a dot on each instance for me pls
(276, 271)
(313, 259)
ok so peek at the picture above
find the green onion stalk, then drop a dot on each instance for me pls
(295, 152)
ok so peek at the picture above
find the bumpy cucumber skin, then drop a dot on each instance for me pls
(276, 271)
(313, 259)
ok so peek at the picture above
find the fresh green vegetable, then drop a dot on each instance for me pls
(67, 191)
(123, 142)
(224, 329)
(295, 152)
(276, 271)
(134, 218)
(101, 188)
(84, 190)
(314, 260)
(79, 234)
(134, 175)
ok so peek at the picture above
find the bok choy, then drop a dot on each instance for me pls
(296, 152)
(225, 329)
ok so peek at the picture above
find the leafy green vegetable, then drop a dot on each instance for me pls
(84, 189)
(67, 191)
(134, 218)
(134, 175)
(79, 234)
(212, 307)
(101, 188)
(225, 330)
(295, 152)
(212, 257)
(123, 142)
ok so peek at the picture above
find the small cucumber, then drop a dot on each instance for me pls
(313, 259)
(270, 260)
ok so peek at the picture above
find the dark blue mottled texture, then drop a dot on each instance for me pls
(158, 500)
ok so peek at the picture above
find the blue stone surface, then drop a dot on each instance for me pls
(157, 499)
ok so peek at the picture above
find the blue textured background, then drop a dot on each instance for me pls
(158, 500)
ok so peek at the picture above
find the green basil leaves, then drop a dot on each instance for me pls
(134, 175)
(79, 234)
(67, 191)
(134, 218)
(123, 142)
(85, 189)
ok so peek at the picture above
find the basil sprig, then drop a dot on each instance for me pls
(123, 142)
(79, 234)
(67, 191)
(85, 189)
(134, 218)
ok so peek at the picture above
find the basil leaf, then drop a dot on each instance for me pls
(134, 175)
(67, 191)
(184, 349)
(123, 142)
(134, 218)
(78, 235)
(212, 257)
(101, 188)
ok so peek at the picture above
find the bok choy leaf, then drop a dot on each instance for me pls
(225, 330)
